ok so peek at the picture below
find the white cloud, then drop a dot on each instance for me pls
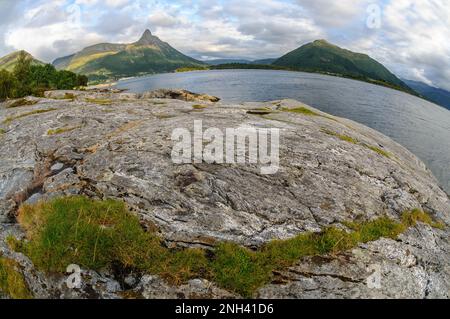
(335, 13)
(412, 41)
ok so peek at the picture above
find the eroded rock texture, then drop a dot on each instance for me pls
(118, 145)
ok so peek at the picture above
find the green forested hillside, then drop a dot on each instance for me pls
(321, 56)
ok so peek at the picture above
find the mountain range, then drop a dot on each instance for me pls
(106, 61)
(240, 61)
(148, 55)
(435, 95)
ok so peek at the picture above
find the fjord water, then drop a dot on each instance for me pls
(420, 126)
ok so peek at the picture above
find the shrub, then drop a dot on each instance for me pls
(7, 84)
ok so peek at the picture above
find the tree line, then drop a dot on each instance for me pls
(29, 79)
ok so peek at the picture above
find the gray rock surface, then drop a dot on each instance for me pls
(122, 149)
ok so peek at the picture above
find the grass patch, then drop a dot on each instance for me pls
(12, 282)
(302, 110)
(306, 111)
(62, 130)
(2, 131)
(352, 140)
(16, 117)
(379, 151)
(199, 107)
(98, 234)
(345, 138)
(21, 102)
(99, 101)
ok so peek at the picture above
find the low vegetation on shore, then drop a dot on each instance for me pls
(190, 69)
(99, 234)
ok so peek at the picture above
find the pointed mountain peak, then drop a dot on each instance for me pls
(147, 38)
(147, 34)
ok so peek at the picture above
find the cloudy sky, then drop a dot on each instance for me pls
(411, 37)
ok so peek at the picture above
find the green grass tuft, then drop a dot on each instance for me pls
(16, 117)
(302, 110)
(98, 234)
(345, 138)
(379, 151)
(99, 101)
(355, 141)
(12, 282)
(199, 107)
(61, 130)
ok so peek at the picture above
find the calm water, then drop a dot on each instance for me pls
(420, 126)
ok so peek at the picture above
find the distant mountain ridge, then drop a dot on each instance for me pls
(240, 61)
(112, 61)
(9, 61)
(438, 96)
(106, 61)
(322, 56)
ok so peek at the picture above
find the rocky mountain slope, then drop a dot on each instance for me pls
(9, 61)
(333, 171)
(322, 56)
(111, 61)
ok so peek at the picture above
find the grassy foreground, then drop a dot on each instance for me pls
(99, 234)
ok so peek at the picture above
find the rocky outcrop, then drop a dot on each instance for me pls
(332, 170)
(179, 95)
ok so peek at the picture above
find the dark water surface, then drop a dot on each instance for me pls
(420, 126)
